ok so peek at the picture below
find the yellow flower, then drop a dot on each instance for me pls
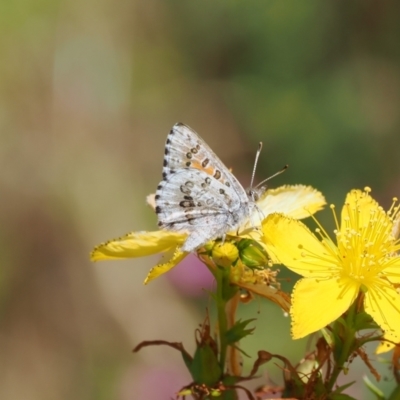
(140, 244)
(297, 201)
(386, 345)
(363, 259)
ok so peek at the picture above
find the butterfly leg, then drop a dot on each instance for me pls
(261, 217)
(223, 238)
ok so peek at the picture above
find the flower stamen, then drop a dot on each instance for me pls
(364, 258)
(332, 207)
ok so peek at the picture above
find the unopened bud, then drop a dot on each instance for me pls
(209, 246)
(225, 254)
(253, 255)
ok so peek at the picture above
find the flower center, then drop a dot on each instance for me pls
(365, 240)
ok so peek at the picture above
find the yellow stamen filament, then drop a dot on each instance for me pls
(364, 246)
(393, 208)
(332, 207)
(322, 230)
(314, 260)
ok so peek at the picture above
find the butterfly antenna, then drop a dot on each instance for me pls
(255, 164)
(273, 176)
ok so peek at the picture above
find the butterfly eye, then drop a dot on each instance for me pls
(253, 194)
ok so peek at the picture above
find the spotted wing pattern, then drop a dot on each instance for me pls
(198, 194)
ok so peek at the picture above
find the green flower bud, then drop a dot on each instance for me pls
(253, 255)
(209, 246)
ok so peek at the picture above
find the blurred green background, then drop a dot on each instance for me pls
(88, 92)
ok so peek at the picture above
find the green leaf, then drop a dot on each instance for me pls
(328, 336)
(205, 368)
(378, 393)
(340, 322)
(337, 345)
(188, 360)
(364, 321)
(343, 387)
(241, 351)
(239, 331)
(341, 396)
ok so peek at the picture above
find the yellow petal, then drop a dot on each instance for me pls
(296, 201)
(384, 347)
(174, 258)
(293, 244)
(392, 270)
(275, 295)
(365, 206)
(137, 244)
(384, 307)
(316, 303)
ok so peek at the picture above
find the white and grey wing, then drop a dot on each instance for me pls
(192, 201)
(184, 148)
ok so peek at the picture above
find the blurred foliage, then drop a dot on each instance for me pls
(88, 92)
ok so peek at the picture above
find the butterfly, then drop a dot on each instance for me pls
(198, 194)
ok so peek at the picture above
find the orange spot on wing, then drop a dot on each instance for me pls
(197, 164)
(210, 170)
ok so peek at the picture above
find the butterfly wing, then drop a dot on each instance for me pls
(191, 201)
(184, 148)
(198, 194)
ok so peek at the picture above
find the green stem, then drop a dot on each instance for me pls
(347, 346)
(222, 319)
